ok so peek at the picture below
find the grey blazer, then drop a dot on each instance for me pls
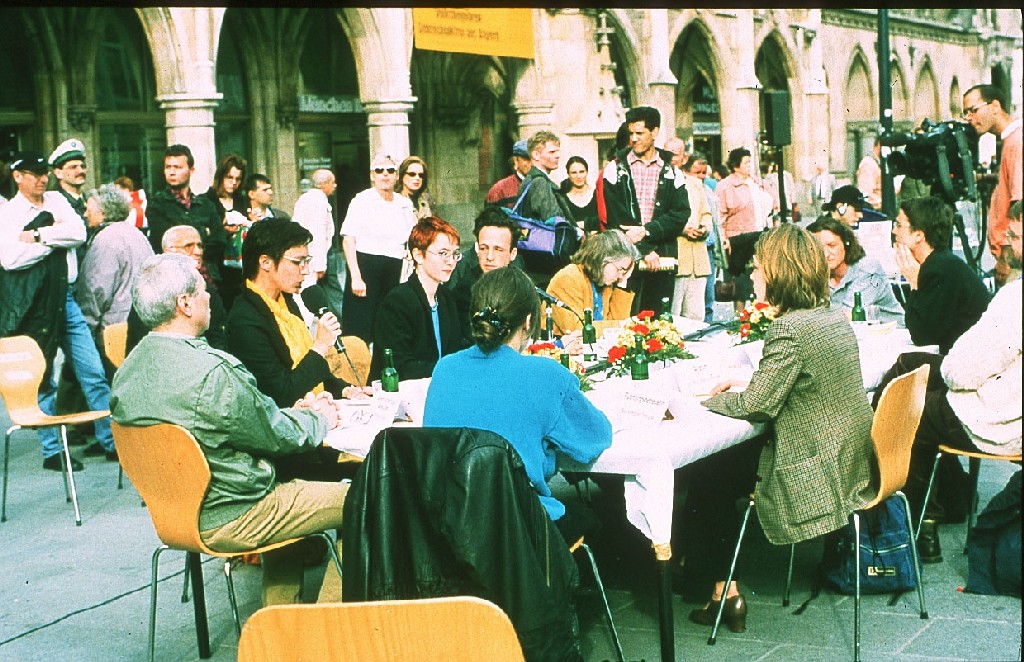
(816, 470)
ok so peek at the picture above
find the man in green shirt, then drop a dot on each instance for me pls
(174, 376)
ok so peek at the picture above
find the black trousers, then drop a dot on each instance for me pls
(651, 287)
(381, 275)
(708, 524)
(939, 425)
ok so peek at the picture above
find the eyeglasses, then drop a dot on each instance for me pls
(381, 171)
(973, 109)
(300, 262)
(455, 256)
(896, 225)
(622, 271)
(418, 175)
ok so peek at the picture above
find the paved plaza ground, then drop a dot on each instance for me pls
(82, 593)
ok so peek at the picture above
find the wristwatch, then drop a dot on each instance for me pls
(36, 237)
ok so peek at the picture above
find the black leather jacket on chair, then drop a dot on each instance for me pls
(438, 512)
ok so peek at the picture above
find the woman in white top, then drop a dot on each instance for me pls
(374, 236)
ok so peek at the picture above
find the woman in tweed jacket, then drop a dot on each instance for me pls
(816, 468)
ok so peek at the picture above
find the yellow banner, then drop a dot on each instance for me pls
(503, 32)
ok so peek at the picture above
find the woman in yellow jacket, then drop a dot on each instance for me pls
(596, 279)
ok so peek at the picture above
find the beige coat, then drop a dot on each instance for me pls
(693, 254)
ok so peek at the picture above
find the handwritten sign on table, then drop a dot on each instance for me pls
(635, 409)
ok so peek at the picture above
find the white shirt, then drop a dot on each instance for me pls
(378, 226)
(983, 373)
(67, 231)
(313, 212)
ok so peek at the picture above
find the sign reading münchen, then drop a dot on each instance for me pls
(501, 32)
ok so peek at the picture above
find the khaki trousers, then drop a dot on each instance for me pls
(688, 297)
(292, 510)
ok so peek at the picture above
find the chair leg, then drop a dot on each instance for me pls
(913, 552)
(7, 457)
(70, 474)
(153, 580)
(789, 576)
(928, 493)
(332, 550)
(974, 470)
(199, 605)
(184, 588)
(231, 596)
(120, 477)
(856, 593)
(732, 570)
(604, 597)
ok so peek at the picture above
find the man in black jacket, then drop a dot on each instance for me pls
(646, 198)
(179, 205)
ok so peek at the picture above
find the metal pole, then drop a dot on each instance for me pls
(885, 111)
(783, 203)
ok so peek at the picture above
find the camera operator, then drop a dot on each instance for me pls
(986, 109)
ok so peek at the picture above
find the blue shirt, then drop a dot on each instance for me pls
(532, 401)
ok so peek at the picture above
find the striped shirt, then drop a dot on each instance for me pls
(645, 178)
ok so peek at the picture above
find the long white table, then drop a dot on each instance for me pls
(648, 453)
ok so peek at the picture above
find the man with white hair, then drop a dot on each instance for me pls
(313, 211)
(174, 376)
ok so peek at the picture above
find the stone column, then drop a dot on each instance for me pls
(741, 123)
(662, 82)
(815, 101)
(190, 122)
(388, 124)
(534, 116)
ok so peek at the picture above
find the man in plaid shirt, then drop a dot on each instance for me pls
(646, 198)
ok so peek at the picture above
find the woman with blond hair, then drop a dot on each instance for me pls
(596, 279)
(815, 467)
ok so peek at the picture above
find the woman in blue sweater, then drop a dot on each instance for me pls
(533, 402)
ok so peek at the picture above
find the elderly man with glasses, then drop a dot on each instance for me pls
(985, 107)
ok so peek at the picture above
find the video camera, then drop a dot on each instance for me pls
(942, 154)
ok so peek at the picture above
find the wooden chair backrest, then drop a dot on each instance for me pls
(21, 372)
(169, 470)
(894, 427)
(115, 342)
(357, 350)
(435, 629)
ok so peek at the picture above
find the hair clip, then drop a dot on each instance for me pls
(494, 318)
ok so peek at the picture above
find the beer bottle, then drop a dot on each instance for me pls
(858, 314)
(389, 376)
(638, 368)
(589, 336)
(666, 309)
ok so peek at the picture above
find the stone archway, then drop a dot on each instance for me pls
(696, 65)
(926, 95)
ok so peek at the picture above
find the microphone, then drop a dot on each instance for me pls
(555, 301)
(314, 298)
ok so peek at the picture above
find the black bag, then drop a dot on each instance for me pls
(556, 236)
(994, 545)
(886, 563)
(725, 291)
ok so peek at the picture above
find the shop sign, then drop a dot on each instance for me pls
(504, 32)
(707, 128)
(320, 103)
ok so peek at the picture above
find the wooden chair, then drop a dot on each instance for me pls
(435, 629)
(169, 470)
(974, 459)
(21, 372)
(892, 432)
(353, 366)
(115, 342)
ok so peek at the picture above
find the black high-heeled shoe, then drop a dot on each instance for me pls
(734, 616)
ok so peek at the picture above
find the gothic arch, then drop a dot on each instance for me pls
(860, 103)
(901, 109)
(926, 94)
(955, 97)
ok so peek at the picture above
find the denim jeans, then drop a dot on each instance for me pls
(709, 289)
(79, 348)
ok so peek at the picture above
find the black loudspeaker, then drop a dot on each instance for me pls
(775, 116)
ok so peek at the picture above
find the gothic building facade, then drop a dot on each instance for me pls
(297, 89)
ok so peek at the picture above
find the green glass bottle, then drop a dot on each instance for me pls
(589, 336)
(858, 314)
(564, 358)
(638, 368)
(666, 310)
(389, 376)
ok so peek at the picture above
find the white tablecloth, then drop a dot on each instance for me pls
(647, 454)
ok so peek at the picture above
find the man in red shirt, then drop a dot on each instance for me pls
(985, 108)
(505, 191)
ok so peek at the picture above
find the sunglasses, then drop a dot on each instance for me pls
(381, 171)
(417, 175)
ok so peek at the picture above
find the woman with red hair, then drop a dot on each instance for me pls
(417, 320)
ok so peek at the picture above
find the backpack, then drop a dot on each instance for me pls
(556, 236)
(994, 544)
